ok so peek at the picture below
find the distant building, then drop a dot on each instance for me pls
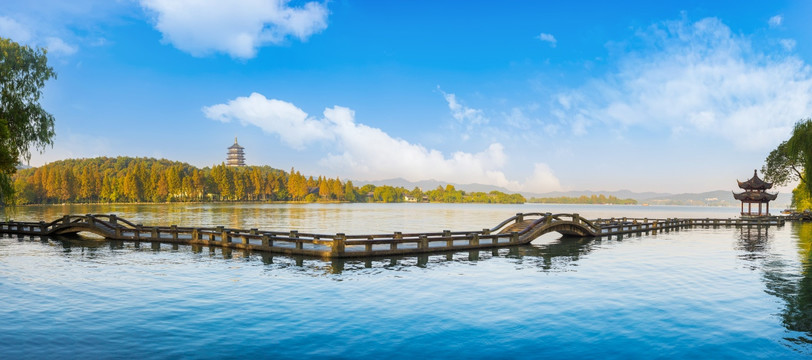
(754, 192)
(236, 156)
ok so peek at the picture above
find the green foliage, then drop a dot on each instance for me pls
(449, 194)
(800, 198)
(799, 146)
(792, 160)
(583, 199)
(23, 122)
(781, 167)
(125, 179)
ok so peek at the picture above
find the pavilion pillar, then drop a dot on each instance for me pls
(742, 212)
(759, 209)
(749, 208)
(768, 209)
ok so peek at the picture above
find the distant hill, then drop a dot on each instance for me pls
(709, 198)
(427, 185)
(22, 167)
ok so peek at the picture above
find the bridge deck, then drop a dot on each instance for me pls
(519, 229)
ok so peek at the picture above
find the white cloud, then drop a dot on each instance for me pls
(787, 44)
(55, 45)
(20, 33)
(369, 153)
(775, 20)
(234, 27)
(463, 113)
(272, 116)
(10, 28)
(549, 38)
(700, 77)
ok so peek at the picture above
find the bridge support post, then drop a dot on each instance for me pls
(224, 236)
(448, 240)
(266, 240)
(155, 234)
(42, 227)
(339, 243)
(398, 236)
(474, 239)
(514, 237)
(174, 232)
(424, 242)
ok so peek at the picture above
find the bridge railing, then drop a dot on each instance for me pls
(354, 245)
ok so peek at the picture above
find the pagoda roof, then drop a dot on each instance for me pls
(236, 146)
(755, 196)
(755, 183)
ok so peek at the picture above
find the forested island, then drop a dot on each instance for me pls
(132, 180)
(583, 199)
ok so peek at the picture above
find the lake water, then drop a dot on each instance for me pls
(693, 293)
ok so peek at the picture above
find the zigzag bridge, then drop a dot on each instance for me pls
(516, 230)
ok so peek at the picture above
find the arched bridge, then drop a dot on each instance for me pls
(530, 226)
(519, 229)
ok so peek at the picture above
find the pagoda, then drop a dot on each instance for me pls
(236, 156)
(754, 192)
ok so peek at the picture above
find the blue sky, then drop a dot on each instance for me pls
(541, 96)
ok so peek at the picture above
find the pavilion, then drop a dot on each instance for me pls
(755, 192)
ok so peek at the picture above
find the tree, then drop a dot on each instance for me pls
(791, 161)
(23, 122)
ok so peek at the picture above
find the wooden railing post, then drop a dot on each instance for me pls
(42, 227)
(66, 219)
(424, 241)
(519, 217)
(339, 242)
(224, 236)
(474, 239)
(398, 236)
(294, 234)
(174, 232)
(576, 218)
(514, 237)
(449, 241)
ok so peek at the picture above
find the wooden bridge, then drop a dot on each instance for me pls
(519, 229)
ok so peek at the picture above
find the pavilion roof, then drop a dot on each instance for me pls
(755, 196)
(755, 183)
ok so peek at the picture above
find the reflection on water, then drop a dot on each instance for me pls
(348, 218)
(791, 281)
(553, 255)
(755, 242)
(695, 293)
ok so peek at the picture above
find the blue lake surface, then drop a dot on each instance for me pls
(694, 293)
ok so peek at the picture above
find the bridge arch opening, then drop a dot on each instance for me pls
(89, 235)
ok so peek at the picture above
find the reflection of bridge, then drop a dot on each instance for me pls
(519, 229)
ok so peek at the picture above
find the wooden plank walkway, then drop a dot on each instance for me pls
(519, 229)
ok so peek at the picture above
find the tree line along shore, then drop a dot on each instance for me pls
(139, 180)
